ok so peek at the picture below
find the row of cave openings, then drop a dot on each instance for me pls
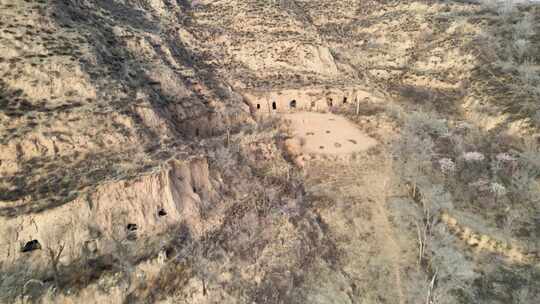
(131, 229)
(293, 103)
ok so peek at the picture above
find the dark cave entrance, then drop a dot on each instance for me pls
(274, 105)
(292, 104)
(31, 246)
(132, 227)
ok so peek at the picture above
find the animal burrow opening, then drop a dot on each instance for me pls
(292, 104)
(344, 100)
(31, 246)
(161, 212)
(169, 252)
(132, 227)
(274, 105)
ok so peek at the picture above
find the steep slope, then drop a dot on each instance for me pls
(134, 167)
(92, 90)
(101, 103)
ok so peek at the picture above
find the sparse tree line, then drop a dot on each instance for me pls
(449, 166)
(493, 175)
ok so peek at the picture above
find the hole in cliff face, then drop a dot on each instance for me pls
(162, 212)
(330, 102)
(197, 132)
(132, 227)
(90, 246)
(274, 105)
(344, 100)
(292, 104)
(194, 190)
(169, 252)
(31, 246)
(258, 106)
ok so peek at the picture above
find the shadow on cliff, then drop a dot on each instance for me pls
(117, 75)
(122, 66)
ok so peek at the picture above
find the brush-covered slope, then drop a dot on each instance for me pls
(126, 138)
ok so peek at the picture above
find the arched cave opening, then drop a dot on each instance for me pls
(292, 104)
(330, 102)
(258, 106)
(169, 252)
(344, 100)
(162, 212)
(274, 105)
(132, 227)
(31, 246)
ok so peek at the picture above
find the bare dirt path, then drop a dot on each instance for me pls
(388, 235)
(353, 197)
(351, 193)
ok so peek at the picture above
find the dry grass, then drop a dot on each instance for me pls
(74, 81)
(463, 170)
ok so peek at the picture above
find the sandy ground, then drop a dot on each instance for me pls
(326, 133)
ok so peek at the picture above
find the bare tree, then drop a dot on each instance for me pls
(54, 253)
(54, 246)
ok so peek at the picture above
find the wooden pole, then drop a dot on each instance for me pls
(228, 136)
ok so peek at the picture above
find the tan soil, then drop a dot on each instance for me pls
(326, 133)
(107, 109)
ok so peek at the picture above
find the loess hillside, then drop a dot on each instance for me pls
(134, 167)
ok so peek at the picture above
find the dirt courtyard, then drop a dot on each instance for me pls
(327, 133)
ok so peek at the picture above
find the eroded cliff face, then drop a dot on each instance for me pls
(94, 90)
(98, 96)
(102, 105)
(137, 208)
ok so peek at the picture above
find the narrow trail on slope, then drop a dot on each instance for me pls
(355, 194)
(391, 245)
